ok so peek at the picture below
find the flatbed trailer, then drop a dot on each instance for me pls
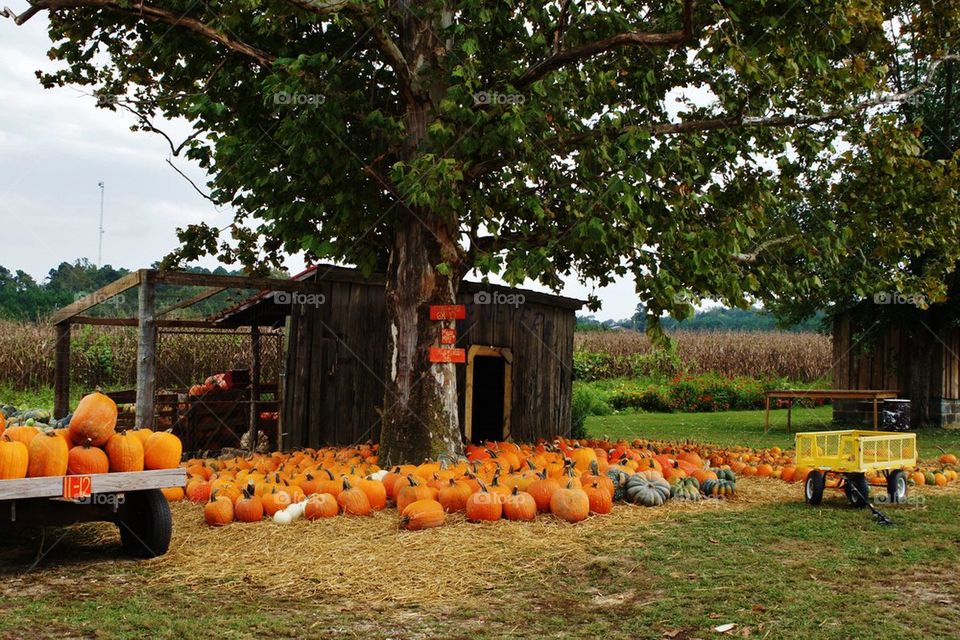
(133, 501)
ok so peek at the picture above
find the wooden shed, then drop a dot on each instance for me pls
(872, 356)
(516, 382)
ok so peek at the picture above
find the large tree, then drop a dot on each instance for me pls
(674, 140)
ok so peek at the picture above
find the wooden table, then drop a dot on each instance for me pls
(834, 394)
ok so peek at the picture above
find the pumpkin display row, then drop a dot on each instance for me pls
(90, 444)
(508, 481)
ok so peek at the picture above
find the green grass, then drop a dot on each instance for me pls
(40, 398)
(783, 569)
(744, 428)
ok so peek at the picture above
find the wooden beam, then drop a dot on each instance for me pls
(61, 371)
(189, 302)
(161, 324)
(234, 282)
(52, 487)
(97, 297)
(146, 352)
(255, 344)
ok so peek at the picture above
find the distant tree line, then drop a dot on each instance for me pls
(25, 299)
(715, 319)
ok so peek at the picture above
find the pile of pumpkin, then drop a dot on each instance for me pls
(567, 479)
(89, 444)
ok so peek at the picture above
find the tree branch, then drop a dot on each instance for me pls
(192, 183)
(148, 13)
(627, 39)
(570, 143)
(750, 258)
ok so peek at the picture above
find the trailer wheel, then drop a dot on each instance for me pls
(897, 486)
(813, 487)
(145, 523)
(857, 489)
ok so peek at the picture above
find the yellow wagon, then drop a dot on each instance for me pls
(850, 455)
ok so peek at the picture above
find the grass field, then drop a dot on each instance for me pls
(743, 428)
(772, 566)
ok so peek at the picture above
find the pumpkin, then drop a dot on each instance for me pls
(601, 499)
(321, 505)
(84, 460)
(582, 458)
(198, 490)
(14, 459)
(376, 492)
(173, 494)
(918, 478)
(618, 478)
(94, 419)
(929, 478)
(125, 452)
(570, 503)
(353, 501)
(483, 506)
(22, 434)
(720, 488)
(219, 511)
(519, 505)
(647, 491)
(686, 489)
(422, 514)
(144, 434)
(453, 497)
(275, 500)
(412, 491)
(249, 508)
(162, 450)
(542, 491)
(3, 423)
(48, 456)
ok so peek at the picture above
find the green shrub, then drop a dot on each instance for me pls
(586, 401)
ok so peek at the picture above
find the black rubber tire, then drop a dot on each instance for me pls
(813, 487)
(145, 523)
(857, 481)
(897, 486)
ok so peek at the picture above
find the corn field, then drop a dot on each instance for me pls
(107, 356)
(759, 354)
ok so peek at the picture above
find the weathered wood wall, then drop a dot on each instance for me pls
(336, 363)
(863, 362)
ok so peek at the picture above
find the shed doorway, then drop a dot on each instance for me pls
(488, 393)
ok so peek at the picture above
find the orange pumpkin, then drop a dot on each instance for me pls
(125, 452)
(542, 491)
(483, 506)
(376, 492)
(94, 419)
(249, 508)
(422, 514)
(84, 460)
(173, 494)
(453, 497)
(601, 500)
(219, 511)
(570, 503)
(162, 450)
(411, 491)
(14, 459)
(519, 505)
(321, 505)
(48, 456)
(353, 501)
(22, 434)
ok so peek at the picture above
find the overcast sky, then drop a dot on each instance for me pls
(55, 146)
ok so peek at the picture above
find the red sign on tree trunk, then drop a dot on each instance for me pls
(439, 354)
(448, 312)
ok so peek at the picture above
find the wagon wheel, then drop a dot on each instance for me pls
(857, 489)
(897, 486)
(813, 487)
(145, 523)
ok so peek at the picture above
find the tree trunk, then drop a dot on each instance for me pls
(420, 412)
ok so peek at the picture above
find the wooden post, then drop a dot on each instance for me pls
(146, 351)
(766, 415)
(789, 413)
(254, 388)
(61, 371)
(874, 412)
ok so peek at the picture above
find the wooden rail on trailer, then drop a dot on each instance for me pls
(52, 487)
(833, 394)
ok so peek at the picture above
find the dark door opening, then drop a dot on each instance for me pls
(487, 411)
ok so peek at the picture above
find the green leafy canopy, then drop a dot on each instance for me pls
(733, 159)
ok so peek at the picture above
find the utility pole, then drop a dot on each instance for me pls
(100, 237)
